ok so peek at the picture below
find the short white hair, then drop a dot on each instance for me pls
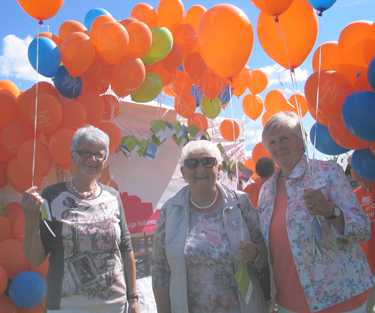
(90, 134)
(286, 119)
(201, 146)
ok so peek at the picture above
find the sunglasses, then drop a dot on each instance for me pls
(207, 162)
(85, 154)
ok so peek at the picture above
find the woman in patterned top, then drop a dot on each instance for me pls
(312, 225)
(204, 232)
(91, 259)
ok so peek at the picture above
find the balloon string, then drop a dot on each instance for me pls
(317, 101)
(282, 35)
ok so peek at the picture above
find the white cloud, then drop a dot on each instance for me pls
(14, 63)
(252, 132)
(278, 75)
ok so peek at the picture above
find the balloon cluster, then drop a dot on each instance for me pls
(340, 96)
(22, 286)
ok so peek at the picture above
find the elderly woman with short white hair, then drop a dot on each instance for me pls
(204, 232)
(85, 235)
(313, 227)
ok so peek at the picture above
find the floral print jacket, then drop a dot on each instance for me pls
(340, 271)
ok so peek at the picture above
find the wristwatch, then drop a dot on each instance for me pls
(336, 212)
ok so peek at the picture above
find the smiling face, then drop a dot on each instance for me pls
(285, 147)
(203, 175)
(89, 158)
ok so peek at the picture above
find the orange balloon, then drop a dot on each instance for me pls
(328, 55)
(111, 41)
(221, 38)
(170, 13)
(77, 53)
(49, 111)
(165, 75)
(194, 15)
(145, 13)
(174, 59)
(12, 258)
(9, 86)
(184, 105)
(98, 22)
(257, 81)
(272, 7)
(252, 106)
(6, 306)
(8, 108)
(195, 66)
(5, 231)
(42, 157)
(350, 38)
(186, 38)
(111, 106)
(41, 308)
(140, 39)
(127, 76)
(267, 116)
(241, 81)
(343, 136)
(258, 152)
(14, 211)
(97, 78)
(15, 134)
(211, 84)
(3, 280)
(275, 101)
(356, 76)
(41, 9)
(167, 90)
(51, 36)
(182, 84)
(250, 164)
(74, 114)
(60, 146)
(70, 26)
(114, 133)
(333, 89)
(199, 121)
(3, 174)
(299, 103)
(4, 155)
(18, 227)
(368, 50)
(94, 107)
(229, 130)
(290, 40)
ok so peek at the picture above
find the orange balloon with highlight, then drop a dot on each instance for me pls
(8, 108)
(186, 38)
(290, 40)
(328, 55)
(258, 81)
(41, 9)
(226, 39)
(145, 13)
(185, 105)
(174, 59)
(241, 81)
(252, 106)
(194, 15)
(97, 78)
(170, 13)
(94, 107)
(9, 86)
(49, 35)
(74, 114)
(266, 116)
(211, 84)
(199, 121)
(15, 134)
(70, 26)
(229, 130)
(272, 7)
(140, 39)
(60, 146)
(77, 53)
(195, 66)
(299, 103)
(275, 101)
(19, 178)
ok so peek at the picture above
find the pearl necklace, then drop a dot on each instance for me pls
(86, 194)
(203, 207)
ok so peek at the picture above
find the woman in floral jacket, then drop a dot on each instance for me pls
(312, 225)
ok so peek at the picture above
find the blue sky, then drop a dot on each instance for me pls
(17, 28)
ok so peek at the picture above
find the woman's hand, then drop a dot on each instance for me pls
(317, 203)
(134, 306)
(31, 202)
(248, 251)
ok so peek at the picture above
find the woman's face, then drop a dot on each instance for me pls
(285, 147)
(200, 170)
(90, 158)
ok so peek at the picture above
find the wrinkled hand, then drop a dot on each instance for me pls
(134, 307)
(31, 202)
(248, 251)
(316, 203)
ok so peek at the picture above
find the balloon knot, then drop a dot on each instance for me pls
(40, 22)
(320, 13)
(276, 19)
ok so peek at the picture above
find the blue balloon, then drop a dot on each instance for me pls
(44, 56)
(225, 95)
(27, 289)
(197, 94)
(321, 5)
(323, 142)
(67, 85)
(92, 15)
(371, 73)
(359, 114)
(363, 162)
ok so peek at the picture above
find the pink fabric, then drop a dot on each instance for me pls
(289, 290)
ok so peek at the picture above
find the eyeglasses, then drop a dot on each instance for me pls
(207, 162)
(86, 154)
